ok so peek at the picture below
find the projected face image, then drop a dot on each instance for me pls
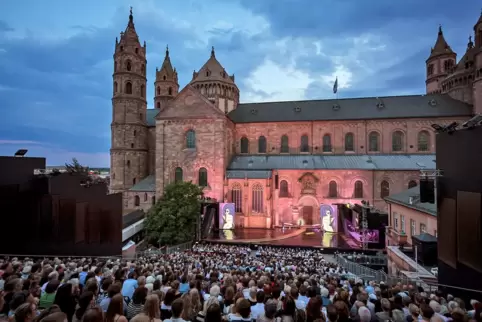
(228, 219)
(327, 219)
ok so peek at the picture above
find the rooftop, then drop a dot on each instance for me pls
(148, 184)
(403, 199)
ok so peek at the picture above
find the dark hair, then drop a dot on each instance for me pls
(313, 309)
(243, 307)
(84, 302)
(176, 308)
(332, 312)
(426, 310)
(140, 295)
(106, 282)
(64, 299)
(52, 286)
(113, 290)
(156, 285)
(260, 297)
(169, 297)
(93, 315)
(116, 307)
(18, 299)
(55, 317)
(213, 313)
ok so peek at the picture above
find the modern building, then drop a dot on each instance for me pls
(279, 162)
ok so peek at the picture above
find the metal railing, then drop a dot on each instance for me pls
(165, 250)
(360, 270)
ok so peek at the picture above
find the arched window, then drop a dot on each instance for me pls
(142, 91)
(423, 141)
(257, 199)
(137, 201)
(128, 163)
(283, 189)
(203, 177)
(358, 193)
(244, 145)
(135, 133)
(128, 88)
(115, 66)
(158, 91)
(164, 77)
(332, 189)
(153, 200)
(145, 196)
(178, 175)
(115, 87)
(304, 144)
(169, 90)
(327, 143)
(137, 50)
(384, 189)
(128, 66)
(237, 197)
(143, 69)
(373, 142)
(261, 144)
(397, 141)
(349, 144)
(285, 147)
(412, 184)
(158, 105)
(190, 139)
(134, 181)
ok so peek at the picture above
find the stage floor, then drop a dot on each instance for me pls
(288, 237)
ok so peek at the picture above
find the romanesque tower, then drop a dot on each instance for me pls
(441, 61)
(477, 84)
(213, 82)
(166, 85)
(129, 129)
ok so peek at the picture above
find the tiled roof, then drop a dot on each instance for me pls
(132, 217)
(334, 162)
(151, 116)
(415, 106)
(250, 174)
(147, 184)
(425, 237)
(403, 198)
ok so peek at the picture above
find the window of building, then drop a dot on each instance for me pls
(283, 189)
(257, 206)
(423, 141)
(349, 142)
(153, 200)
(143, 94)
(158, 91)
(304, 144)
(285, 147)
(326, 143)
(145, 196)
(137, 201)
(143, 69)
(412, 183)
(261, 144)
(395, 221)
(384, 189)
(115, 66)
(237, 197)
(402, 223)
(413, 228)
(128, 163)
(128, 66)
(158, 105)
(358, 189)
(128, 88)
(244, 145)
(423, 228)
(203, 177)
(332, 189)
(430, 69)
(397, 141)
(374, 142)
(134, 181)
(178, 175)
(115, 87)
(190, 139)
(169, 91)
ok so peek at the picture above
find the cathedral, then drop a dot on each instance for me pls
(278, 162)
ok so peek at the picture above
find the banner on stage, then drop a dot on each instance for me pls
(329, 219)
(226, 216)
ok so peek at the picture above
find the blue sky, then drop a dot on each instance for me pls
(56, 56)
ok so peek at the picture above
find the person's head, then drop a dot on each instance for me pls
(116, 307)
(94, 314)
(426, 311)
(170, 296)
(213, 313)
(25, 313)
(243, 308)
(414, 310)
(176, 308)
(113, 290)
(260, 297)
(139, 296)
(52, 286)
(151, 306)
(55, 317)
(386, 305)
(313, 309)
(331, 313)
(364, 314)
(270, 309)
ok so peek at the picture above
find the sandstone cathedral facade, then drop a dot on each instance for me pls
(278, 162)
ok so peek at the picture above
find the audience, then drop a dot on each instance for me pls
(213, 283)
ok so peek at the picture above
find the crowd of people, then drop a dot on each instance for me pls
(213, 283)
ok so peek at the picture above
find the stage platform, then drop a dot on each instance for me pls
(292, 237)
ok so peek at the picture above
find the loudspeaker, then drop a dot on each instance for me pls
(427, 190)
(276, 181)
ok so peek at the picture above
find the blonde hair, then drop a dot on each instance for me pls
(151, 307)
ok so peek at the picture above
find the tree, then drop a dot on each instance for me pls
(172, 220)
(76, 167)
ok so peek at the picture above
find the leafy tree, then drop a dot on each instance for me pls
(76, 167)
(172, 220)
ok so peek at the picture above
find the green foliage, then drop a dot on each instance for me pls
(76, 167)
(172, 220)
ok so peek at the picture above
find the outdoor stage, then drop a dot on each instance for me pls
(293, 237)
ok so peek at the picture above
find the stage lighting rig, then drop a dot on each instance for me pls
(438, 128)
(473, 122)
(451, 128)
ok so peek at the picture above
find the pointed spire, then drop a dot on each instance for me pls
(440, 32)
(167, 51)
(212, 52)
(441, 47)
(131, 17)
(470, 45)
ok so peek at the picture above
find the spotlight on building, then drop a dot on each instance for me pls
(21, 153)
(473, 122)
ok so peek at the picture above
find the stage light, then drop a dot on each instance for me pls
(473, 121)
(437, 128)
(348, 205)
(451, 127)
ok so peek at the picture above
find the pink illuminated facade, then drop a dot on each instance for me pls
(279, 162)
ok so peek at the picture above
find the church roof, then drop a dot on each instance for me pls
(167, 66)
(333, 162)
(367, 108)
(425, 237)
(148, 184)
(212, 70)
(403, 199)
(441, 46)
(251, 174)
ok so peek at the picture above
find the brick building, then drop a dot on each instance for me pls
(279, 161)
